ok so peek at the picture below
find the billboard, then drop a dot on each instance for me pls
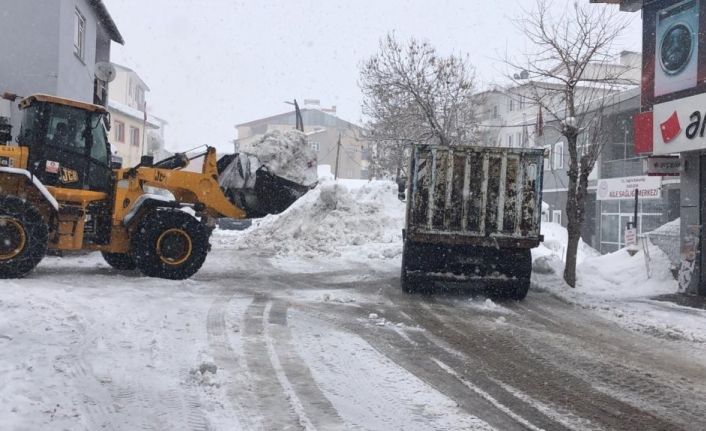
(679, 125)
(674, 50)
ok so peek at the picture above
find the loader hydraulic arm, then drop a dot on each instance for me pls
(201, 189)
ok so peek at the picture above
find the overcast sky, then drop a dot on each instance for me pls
(211, 64)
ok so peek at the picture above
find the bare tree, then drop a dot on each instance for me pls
(571, 77)
(414, 95)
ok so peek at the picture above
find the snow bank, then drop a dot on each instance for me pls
(286, 154)
(618, 286)
(333, 220)
(556, 238)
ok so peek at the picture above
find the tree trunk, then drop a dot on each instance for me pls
(574, 203)
(571, 253)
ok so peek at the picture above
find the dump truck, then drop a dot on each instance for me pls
(60, 191)
(473, 215)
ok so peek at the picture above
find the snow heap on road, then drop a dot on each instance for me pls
(336, 219)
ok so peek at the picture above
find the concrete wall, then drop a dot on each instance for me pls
(76, 75)
(29, 49)
(37, 50)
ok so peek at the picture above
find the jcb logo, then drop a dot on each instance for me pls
(159, 177)
(69, 176)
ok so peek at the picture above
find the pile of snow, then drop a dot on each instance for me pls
(556, 238)
(285, 154)
(672, 228)
(619, 286)
(334, 220)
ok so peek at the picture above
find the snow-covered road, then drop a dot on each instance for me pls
(252, 342)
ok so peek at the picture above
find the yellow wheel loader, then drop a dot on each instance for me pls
(59, 191)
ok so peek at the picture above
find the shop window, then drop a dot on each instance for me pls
(556, 216)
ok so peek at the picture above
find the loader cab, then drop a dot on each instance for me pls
(67, 142)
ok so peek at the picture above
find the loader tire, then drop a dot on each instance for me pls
(120, 261)
(23, 237)
(170, 244)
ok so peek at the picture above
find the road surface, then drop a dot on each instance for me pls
(250, 343)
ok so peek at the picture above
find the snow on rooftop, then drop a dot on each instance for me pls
(135, 113)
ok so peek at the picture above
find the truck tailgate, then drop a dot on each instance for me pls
(475, 195)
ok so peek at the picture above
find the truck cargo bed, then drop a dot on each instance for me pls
(483, 196)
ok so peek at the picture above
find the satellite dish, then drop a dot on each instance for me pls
(105, 71)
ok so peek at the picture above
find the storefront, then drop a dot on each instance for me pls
(657, 204)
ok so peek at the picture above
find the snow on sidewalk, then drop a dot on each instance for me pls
(617, 285)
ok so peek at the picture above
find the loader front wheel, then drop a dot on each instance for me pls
(120, 261)
(170, 244)
(23, 237)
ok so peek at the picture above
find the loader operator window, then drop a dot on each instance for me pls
(73, 138)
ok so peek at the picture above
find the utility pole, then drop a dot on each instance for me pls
(338, 154)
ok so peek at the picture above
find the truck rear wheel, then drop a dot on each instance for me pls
(409, 284)
(170, 244)
(522, 273)
(23, 237)
(120, 261)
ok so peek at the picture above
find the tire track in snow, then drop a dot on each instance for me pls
(274, 404)
(315, 411)
(498, 354)
(239, 389)
(95, 401)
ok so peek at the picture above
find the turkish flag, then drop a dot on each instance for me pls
(670, 128)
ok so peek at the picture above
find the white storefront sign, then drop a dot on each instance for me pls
(624, 188)
(680, 125)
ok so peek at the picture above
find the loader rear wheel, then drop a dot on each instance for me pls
(170, 244)
(23, 237)
(120, 261)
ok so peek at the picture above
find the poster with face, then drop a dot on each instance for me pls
(674, 50)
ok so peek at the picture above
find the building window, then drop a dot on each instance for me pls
(119, 131)
(134, 136)
(509, 140)
(314, 146)
(79, 35)
(559, 155)
(510, 105)
(547, 157)
(556, 216)
(519, 139)
(495, 111)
